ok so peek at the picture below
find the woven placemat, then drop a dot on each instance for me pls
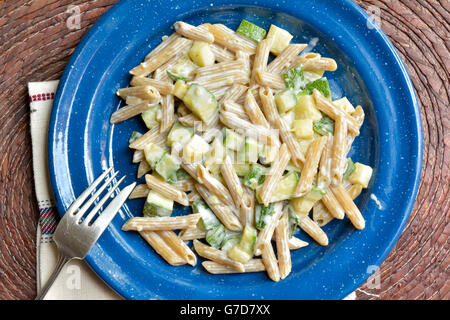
(35, 45)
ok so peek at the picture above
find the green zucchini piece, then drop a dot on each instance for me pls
(230, 242)
(242, 169)
(249, 151)
(208, 219)
(157, 205)
(324, 126)
(201, 102)
(322, 85)
(182, 70)
(167, 167)
(215, 236)
(243, 251)
(232, 140)
(285, 187)
(153, 153)
(286, 100)
(255, 177)
(292, 222)
(294, 78)
(303, 205)
(151, 117)
(263, 215)
(179, 133)
(251, 31)
(350, 168)
(134, 136)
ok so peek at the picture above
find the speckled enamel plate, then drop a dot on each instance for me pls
(82, 144)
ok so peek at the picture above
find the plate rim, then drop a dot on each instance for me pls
(348, 3)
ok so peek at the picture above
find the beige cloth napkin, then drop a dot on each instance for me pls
(76, 281)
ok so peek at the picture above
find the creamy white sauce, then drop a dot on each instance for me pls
(378, 203)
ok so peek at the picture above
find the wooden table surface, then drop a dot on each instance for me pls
(35, 45)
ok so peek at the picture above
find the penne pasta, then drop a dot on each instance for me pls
(269, 80)
(234, 93)
(214, 185)
(282, 244)
(162, 248)
(140, 191)
(192, 234)
(330, 202)
(283, 60)
(351, 210)
(143, 168)
(167, 112)
(193, 33)
(128, 112)
(163, 87)
(166, 189)
(253, 265)
(253, 110)
(339, 150)
(266, 234)
(221, 53)
(324, 174)
(216, 255)
(179, 246)
(230, 39)
(150, 136)
(309, 170)
(167, 42)
(235, 108)
(312, 229)
(313, 61)
(270, 262)
(161, 223)
(147, 93)
(261, 57)
(295, 243)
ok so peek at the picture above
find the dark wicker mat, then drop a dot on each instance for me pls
(35, 45)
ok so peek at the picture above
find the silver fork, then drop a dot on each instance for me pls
(74, 236)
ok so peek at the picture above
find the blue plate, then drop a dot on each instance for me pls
(82, 144)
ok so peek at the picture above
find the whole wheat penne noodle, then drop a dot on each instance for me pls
(128, 112)
(132, 100)
(253, 110)
(234, 93)
(192, 234)
(212, 135)
(253, 265)
(312, 229)
(220, 92)
(161, 223)
(295, 243)
(247, 209)
(324, 174)
(221, 53)
(179, 246)
(161, 247)
(138, 156)
(223, 212)
(266, 234)
(232, 181)
(309, 170)
(166, 42)
(161, 72)
(184, 185)
(182, 110)
(264, 193)
(189, 120)
(167, 112)
(269, 80)
(192, 32)
(161, 57)
(351, 210)
(245, 57)
(359, 115)
(166, 189)
(143, 168)
(236, 109)
(313, 61)
(219, 68)
(147, 93)
(339, 150)
(214, 185)
(261, 57)
(224, 79)
(283, 60)
(254, 131)
(282, 243)
(140, 191)
(163, 87)
(231, 40)
(324, 105)
(216, 255)
(321, 213)
(270, 262)
(330, 202)
(149, 137)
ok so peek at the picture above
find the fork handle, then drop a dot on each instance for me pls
(62, 261)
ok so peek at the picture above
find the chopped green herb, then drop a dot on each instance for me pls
(320, 84)
(294, 78)
(324, 126)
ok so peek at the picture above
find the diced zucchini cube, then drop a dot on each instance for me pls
(303, 205)
(167, 167)
(201, 54)
(285, 187)
(306, 108)
(195, 149)
(281, 39)
(151, 117)
(215, 155)
(232, 140)
(153, 153)
(243, 251)
(286, 100)
(201, 102)
(182, 70)
(242, 169)
(361, 175)
(249, 151)
(208, 219)
(349, 169)
(251, 31)
(157, 205)
(179, 89)
(255, 177)
(303, 128)
(344, 105)
(230, 242)
(179, 133)
(215, 236)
